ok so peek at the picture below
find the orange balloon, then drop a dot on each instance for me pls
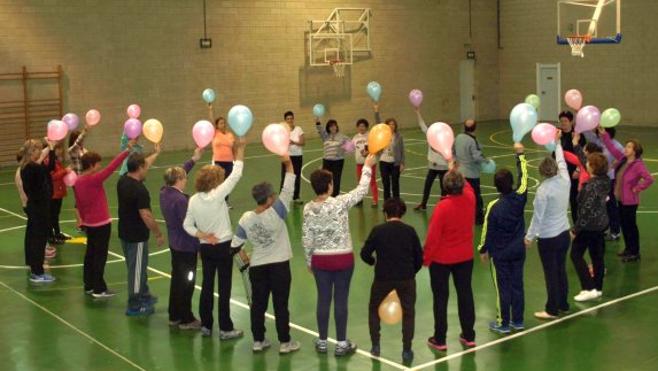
(379, 138)
(390, 310)
(153, 130)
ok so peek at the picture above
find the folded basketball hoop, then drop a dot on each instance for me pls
(577, 44)
(338, 66)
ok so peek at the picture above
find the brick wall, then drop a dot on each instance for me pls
(119, 52)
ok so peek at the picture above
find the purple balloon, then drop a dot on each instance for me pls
(132, 128)
(71, 120)
(587, 118)
(416, 97)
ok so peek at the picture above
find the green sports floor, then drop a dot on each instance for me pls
(57, 327)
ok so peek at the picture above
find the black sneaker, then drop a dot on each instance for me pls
(407, 356)
(630, 258)
(623, 253)
(346, 349)
(375, 350)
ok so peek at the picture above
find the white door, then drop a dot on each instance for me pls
(548, 90)
(467, 89)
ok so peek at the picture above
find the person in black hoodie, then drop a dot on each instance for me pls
(502, 239)
(590, 226)
(399, 258)
(567, 126)
(37, 185)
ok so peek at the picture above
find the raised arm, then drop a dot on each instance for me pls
(150, 159)
(282, 204)
(521, 168)
(321, 131)
(378, 117)
(229, 183)
(559, 158)
(421, 122)
(614, 151)
(78, 140)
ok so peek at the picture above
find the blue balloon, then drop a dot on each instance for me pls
(318, 110)
(550, 147)
(488, 167)
(240, 119)
(374, 90)
(523, 118)
(208, 95)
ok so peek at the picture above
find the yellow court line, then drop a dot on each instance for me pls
(62, 320)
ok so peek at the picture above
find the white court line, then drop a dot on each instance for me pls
(62, 320)
(14, 214)
(536, 328)
(12, 228)
(270, 316)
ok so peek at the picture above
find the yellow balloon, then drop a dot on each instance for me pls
(390, 310)
(379, 138)
(153, 130)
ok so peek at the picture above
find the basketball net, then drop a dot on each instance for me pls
(577, 44)
(339, 68)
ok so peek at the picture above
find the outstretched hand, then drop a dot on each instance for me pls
(198, 152)
(519, 148)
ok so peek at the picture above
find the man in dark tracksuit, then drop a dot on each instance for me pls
(502, 239)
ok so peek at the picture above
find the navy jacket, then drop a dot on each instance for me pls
(504, 225)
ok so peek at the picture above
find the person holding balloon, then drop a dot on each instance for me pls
(360, 141)
(295, 151)
(399, 256)
(37, 185)
(632, 178)
(469, 156)
(550, 226)
(333, 158)
(391, 162)
(567, 127)
(207, 219)
(502, 241)
(222, 147)
(449, 251)
(92, 205)
(436, 166)
(328, 250)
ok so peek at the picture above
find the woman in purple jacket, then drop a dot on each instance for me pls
(632, 177)
(184, 248)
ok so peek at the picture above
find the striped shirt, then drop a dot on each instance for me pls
(333, 143)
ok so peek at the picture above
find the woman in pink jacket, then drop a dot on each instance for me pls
(632, 177)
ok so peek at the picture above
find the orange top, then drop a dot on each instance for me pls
(222, 146)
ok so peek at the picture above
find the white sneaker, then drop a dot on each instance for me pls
(586, 295)
(229, 335)
(288, 347)
(599, 293)
(260, 346)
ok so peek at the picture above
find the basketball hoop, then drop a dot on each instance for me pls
(577, 43)
(338, 66)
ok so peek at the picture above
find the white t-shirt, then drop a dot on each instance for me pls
(293, 149)
(360, 141)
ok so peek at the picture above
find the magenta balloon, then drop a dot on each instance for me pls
(543, 134)
(70, 178)
(132, 128)
(574, 99)
(276, 138)
(416, 97)
(134, 110)
(92, 117)
(71, 120)
(57, 130)
(203, 133)
(441, 138)
(587, 118)
(349, 146)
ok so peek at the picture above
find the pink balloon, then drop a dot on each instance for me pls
(543, 134)
(134, 111)
(92, 117)
(70, 178)
(416, 97)
(203, 132)
(587, 118)
(132, 128)
(574, 99)
(276, 138)
(57, 130)
(71, 120)
(441, 138)
(349, 146)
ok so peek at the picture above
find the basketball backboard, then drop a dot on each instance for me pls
(597, 20)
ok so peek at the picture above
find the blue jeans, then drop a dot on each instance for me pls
(338, 284)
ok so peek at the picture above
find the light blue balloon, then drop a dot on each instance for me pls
(550, 147)
(318, 110)
(522, 118)
(374, 90)
(240, 119)
(208, 95)
(488, 167)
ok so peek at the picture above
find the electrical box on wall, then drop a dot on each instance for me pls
(470, 54)
(205, 43)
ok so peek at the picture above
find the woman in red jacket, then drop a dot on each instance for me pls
(449, 250)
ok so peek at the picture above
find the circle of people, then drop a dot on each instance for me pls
(595, 175)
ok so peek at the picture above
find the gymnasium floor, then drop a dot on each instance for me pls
(57, 327)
